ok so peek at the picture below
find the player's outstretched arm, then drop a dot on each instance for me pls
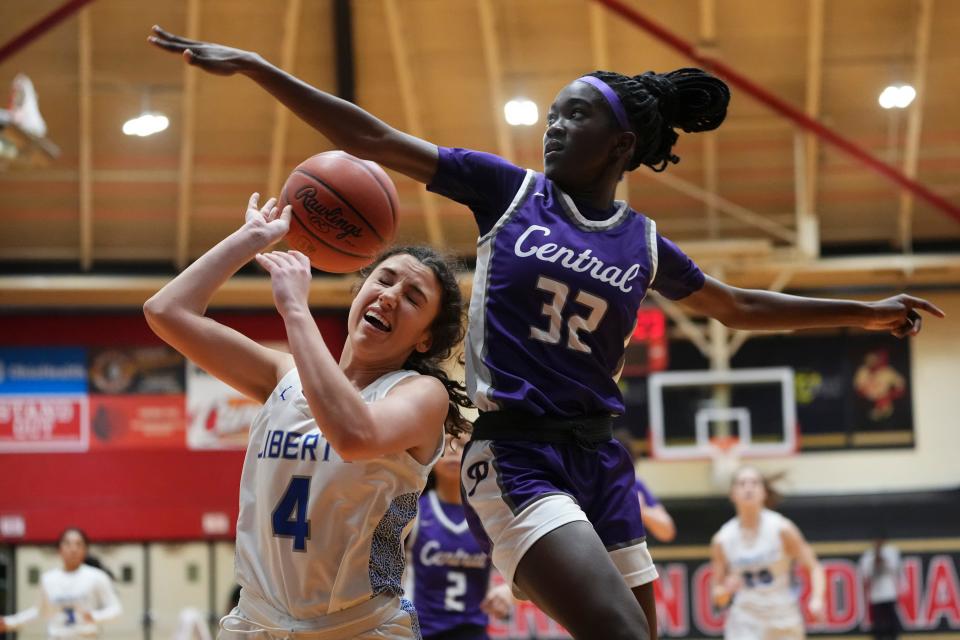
(756, 309)
(658, 522)
(110, 607)
(345, 124)
(17, 620)
(800, 550)
(177, 313)
(723, 583)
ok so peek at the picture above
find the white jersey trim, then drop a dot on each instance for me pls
(652, 249)
(592, 225)
(518, 198)
(479, 379)
(448, 524)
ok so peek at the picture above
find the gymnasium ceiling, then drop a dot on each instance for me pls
(444, 68)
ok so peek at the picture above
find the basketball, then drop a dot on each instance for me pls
(344, 211)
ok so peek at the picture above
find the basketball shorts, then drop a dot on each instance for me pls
(744, 624)
(514, 493)
(383, 617)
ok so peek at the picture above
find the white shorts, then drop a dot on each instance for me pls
(743, 624)
(510, 522)
(383, 617)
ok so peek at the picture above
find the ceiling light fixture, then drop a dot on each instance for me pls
(521, 112)
(146, 124)
(897, 96)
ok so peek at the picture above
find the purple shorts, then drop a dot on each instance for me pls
(516, 492)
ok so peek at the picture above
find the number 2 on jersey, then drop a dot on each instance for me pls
(553, 310)
(456, 589)
(290, 514)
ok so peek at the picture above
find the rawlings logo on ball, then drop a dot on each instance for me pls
(326, 219)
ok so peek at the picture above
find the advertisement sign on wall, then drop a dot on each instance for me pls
(218, 417)
(43, 423)
(929, 600)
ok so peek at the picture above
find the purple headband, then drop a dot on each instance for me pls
(611, 97)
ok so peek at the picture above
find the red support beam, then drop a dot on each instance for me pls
(782, 107)
(46, 23)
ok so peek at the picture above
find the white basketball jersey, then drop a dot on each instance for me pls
(65, 596)
(316, 534)
(763, 566)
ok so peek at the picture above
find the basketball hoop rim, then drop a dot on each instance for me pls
(724, 444)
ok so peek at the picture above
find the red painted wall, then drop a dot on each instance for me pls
(124, 494)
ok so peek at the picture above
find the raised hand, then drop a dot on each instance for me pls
(209, 56)
(900, 315)
(268, 221)
(817, 608)
(498, 602)
(290, 278)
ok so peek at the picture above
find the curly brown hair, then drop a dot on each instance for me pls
(446, 331)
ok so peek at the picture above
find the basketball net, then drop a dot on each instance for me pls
(725, 456)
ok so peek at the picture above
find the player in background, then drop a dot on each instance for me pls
(561, 270)
(74, 599)
(340, 451)
(449, 572)
(656, 519)
(752, 560)
(880, 569)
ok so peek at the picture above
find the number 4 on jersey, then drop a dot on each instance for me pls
(290, 514)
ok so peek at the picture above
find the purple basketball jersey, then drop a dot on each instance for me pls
(450, 572)
(556, 288)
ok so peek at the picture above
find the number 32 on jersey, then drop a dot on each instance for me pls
(553, 309)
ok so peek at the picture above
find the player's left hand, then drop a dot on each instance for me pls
(290, 279)
(816, 608)
(499, 602)
(269, 222)
(87, 617)
(900, 315)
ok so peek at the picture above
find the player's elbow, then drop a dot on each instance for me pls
(353, 449)
(352, 443)
(156, 312)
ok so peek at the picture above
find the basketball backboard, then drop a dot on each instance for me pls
(692, 413)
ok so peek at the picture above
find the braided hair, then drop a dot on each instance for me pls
(446, 331)
(658, 103)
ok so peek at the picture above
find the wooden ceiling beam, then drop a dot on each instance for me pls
(411, 112)
(187, 142)
(812, 100)
(711, 180)
(894, 271)
(600, 48)
(281, 115)
(494, 66)
(85, 146)
(732, 209)
(911, 144)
